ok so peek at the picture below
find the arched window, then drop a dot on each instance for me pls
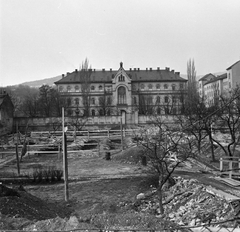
(100, 87)
(60, 88)
(76, 88)
(158, 99)
(108, 112)
(173, 87)
(142, 86)
(158, 86)
(165, 86)
(93, 112)
(150, 86)
(92, 87)
(121, 95)
(149, 100)
(158, 110)
(101, 112)
(121, 78)
(69, 88)
(93, 101)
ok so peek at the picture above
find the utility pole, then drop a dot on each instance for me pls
(65, 163)
(17, 157)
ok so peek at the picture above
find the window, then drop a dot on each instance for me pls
(121, 95)
(134, 100)
(76, 101)
(150, 86)
(158, 110)
(142, 86)
(108, 88)
(166, 99)
(68, 88)
(93, 112)
(158, 86)
(134, 87)
(174, 100)
(76, 88)
(69, 102)
(158, 99)
(101, 112)
(181, 86)
(121, 78)
(92, 87)
(109, 101)
(173, 87)
(108, 112)
(69, 112)
(149, 100)
(165, 86)
(93, 101)
(100, 87)
(60, 88)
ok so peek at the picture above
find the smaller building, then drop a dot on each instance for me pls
(233, 75)
(6, 113)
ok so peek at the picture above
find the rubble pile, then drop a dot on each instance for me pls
(188, 203)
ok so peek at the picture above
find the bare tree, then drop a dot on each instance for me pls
(165, 150)
(85, 74)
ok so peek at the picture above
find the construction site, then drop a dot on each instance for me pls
(110, 186)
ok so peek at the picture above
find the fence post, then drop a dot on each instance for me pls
(108, 134)
(88, 134)
(238, 164)
(59, 151)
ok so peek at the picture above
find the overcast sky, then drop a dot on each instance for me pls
(45, 38)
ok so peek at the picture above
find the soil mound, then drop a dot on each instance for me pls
(20, 204)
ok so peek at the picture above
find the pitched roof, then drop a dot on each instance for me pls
(206, 77)
(232, 65)
(220, 77)
(136, 75)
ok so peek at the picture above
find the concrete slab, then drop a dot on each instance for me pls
(227, 196)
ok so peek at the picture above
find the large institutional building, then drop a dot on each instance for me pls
(128, 93)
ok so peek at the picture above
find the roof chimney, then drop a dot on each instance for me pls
(103, 69)
(146, 69)
(177, 73)
(76, 70)
(110, 70)
(158, 68)
(130, 69)
(138, 69)
(172, 70)
(134, 69)
(121, 64)
(167, 69)
(150, 69)
(62, 75)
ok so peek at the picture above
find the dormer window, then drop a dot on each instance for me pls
(100, 87)
(121, 78)
(150, 86)
(142, 86)
(92, 87)
(165, 86)
(173, 87)
(60, 88)
(158, 86)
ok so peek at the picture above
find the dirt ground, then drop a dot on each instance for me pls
(100, 190)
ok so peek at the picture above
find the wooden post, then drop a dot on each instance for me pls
(121, 134)
(99, 148)
(230, 168)
(108, 134)
(64, 147)
(59, 151)
(238, 165)
(88, 134)
(221, 164)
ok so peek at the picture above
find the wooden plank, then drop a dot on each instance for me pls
(222, 194)
(231, 182)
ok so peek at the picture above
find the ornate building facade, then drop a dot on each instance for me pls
(128, 93)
